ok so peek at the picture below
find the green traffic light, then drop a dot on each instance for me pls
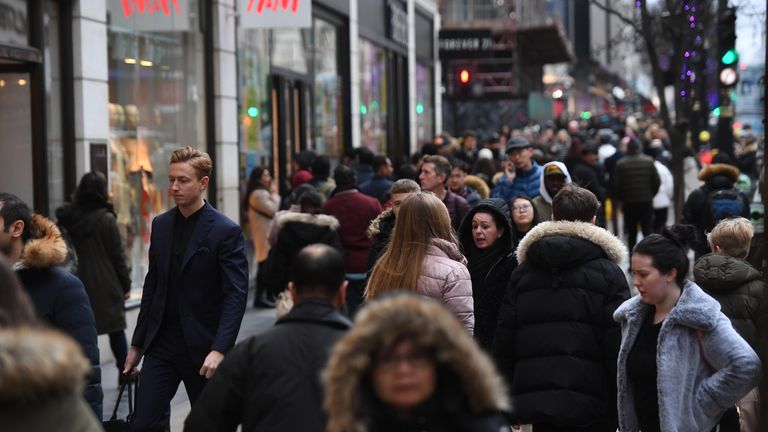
(716, 112)
(730, 57)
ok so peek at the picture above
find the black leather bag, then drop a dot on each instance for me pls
(123, 425)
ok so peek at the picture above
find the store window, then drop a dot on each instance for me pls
(425, 105)
(328, 109)
(291, 49)
(14, 26)
(156, 104)
(255, 109)
(373, 97)
(54, 146)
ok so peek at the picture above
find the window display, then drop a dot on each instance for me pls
(156, 104)
(425, 105)
(373, 97)
(329, 131)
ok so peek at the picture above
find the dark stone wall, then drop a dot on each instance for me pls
(483, 116)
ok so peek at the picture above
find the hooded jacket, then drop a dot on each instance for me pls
(380, 232)
(556, 342)
(59, 297)
(41, 382)
(739, 288)
(695, 212)
(101, 267)
(466, 403)
(691, 397)
(271, 382)
(543, 202)
(445, 278)
(295, 231)
(489, 269)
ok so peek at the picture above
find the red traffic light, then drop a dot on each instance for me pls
(464, 76)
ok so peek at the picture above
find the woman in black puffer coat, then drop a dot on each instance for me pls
(486, 240)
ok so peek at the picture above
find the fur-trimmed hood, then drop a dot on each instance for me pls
(378, 327)
(694, 309)
(614, 249)
(45, 248)
(375, 227)
(719, 169)
(315, 219)
(37, 363)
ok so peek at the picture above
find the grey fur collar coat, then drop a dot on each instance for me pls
(691, 397)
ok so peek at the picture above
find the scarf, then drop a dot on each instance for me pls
(480, 261)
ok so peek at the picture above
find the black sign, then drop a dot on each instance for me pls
(398, 23)
(465, 44)
(99, 158)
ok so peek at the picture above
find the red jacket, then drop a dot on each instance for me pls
(355, 211)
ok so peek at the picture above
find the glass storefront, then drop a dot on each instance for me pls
(255, 110)
(328, 135)
(425, 104)
(156, 104)
(373, 97)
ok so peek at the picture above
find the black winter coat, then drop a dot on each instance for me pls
(635, 179)
(489, 271)
(271, 382)
(557, 343)
(60, 299)
(101, 263)
(295, 231)
(739, 288)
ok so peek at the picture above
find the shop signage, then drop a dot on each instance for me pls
(150, 15)
(398, 23)
(13, 22)
(465, 44)
(275, 13)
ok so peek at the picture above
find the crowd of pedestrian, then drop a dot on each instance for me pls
(474, 286)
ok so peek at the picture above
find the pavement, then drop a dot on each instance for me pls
(254, 322)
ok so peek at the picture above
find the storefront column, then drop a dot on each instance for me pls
(438, 73)
(412, 96)
(90, 71)
(225, 105)
(354, 72)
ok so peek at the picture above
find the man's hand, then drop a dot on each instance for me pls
(132, 360)
(210, 364)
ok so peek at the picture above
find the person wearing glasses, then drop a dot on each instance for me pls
(524, 217)
(407, 365)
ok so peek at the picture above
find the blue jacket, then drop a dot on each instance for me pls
(60, 299)
(214, 275)
(377, 187)
(525, 183)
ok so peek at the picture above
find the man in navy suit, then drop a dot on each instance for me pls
(194, 294)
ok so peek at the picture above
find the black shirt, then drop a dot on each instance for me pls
(183, 228)
(642, 372)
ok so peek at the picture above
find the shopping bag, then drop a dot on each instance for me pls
(123, 425)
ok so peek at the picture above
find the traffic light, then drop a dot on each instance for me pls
(464, 76)
(729, 57)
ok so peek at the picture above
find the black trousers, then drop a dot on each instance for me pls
(660, 219)
(634, 214)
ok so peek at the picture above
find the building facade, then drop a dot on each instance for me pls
(115, 86)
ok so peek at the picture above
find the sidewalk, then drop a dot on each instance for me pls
(254, 322)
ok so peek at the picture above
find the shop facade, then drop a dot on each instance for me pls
(116, 86)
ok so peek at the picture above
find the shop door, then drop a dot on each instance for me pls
(16, 170)
(291, 105)
(399, 143)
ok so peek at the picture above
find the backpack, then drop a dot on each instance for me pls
(724, 204)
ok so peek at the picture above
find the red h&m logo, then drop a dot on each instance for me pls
(150, 6)
(293, 5)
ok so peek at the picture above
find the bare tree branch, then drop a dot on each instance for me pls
(612, 11)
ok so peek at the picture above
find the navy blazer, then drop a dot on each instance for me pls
(213, 284)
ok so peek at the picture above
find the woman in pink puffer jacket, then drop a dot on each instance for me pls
(423, 257)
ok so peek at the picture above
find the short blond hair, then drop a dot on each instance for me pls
(733, 236)
(199, 160)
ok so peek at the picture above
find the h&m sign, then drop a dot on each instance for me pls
(275, 13)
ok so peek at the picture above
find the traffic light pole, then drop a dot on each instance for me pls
(725, 119)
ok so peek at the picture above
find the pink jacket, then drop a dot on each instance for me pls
(445, 278)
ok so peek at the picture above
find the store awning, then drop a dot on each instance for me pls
(544, 44)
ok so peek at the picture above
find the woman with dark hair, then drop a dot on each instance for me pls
(485, 236)
(407, 365)
(681, 364)
(262, 201)
(524, 217)
(92, 226)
